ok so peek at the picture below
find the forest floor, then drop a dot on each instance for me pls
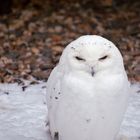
(32, 39)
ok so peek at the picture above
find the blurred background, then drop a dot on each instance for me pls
(33, 33)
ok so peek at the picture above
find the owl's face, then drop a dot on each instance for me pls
(92, 55)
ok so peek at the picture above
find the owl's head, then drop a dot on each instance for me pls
(92, 54)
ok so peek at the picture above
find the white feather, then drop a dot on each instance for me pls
(83, 106)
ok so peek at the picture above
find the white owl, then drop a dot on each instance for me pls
(87, 92)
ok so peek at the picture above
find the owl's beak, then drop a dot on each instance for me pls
(92, 71)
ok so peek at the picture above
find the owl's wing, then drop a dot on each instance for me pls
(53, 86)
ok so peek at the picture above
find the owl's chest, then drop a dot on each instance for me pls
(78, 86)
(85, 98)
(90, 90)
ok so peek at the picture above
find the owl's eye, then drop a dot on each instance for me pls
(79, 58)
(103, 58)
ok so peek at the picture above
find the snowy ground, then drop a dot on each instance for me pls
(23, 113)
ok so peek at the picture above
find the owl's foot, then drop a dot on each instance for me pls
(56, 136)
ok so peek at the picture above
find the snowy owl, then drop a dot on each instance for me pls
(87, 92)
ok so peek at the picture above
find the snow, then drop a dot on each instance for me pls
(23, 113)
